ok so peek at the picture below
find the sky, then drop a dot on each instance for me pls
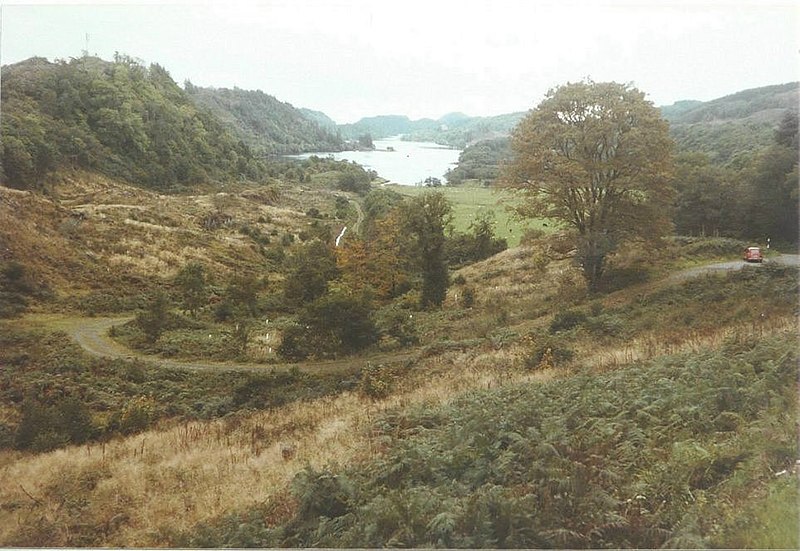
(425, 58)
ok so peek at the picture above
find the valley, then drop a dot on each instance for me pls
(204, 343)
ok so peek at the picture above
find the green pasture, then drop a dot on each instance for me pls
(468, 200)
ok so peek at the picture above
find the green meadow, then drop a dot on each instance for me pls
(469, 200)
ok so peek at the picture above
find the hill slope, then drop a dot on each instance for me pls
(119, 118)
(729, 127)
(267, 125)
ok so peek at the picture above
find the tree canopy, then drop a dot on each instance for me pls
(119, 118)
(597, 158)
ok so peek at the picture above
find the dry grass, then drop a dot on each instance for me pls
(677, 340)
(174, 477)
(90, 230)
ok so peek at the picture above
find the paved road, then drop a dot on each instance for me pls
(92, 335)
(722, 267)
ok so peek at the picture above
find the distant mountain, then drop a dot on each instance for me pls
(765, 104)
(383, 126)
(461, 132)
(119, 118)
(453, 129)
(266, 124)
(730, 128)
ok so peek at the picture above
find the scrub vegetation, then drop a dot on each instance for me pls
(299, 356)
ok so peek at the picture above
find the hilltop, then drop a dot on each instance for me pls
(453, 129)
(133, 123)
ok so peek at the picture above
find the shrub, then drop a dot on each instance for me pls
(711, 247)
(566, 320)
(334, 324)
(376, 381)
(44, 428)
(397, 324)
(15, 289)
(545, 351)
(468, 297)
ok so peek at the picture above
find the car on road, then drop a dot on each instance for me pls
(753, 254)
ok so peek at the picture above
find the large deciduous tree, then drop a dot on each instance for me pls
(597, 158)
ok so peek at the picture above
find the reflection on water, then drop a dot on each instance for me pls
(400, 162)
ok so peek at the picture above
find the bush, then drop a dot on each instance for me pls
(15, 289)
(546, 351)
(332, 325)
(711, 246)
(376, 381)
(566, 320)
(43, 428)
(468, 297)
(395, 323)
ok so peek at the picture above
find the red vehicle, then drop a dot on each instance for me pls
(753, 254)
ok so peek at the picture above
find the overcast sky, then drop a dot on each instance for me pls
(355, 58)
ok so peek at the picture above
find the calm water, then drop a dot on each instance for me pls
(410, 162)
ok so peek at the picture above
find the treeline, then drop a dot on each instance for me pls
(480, 161)
(119, 118)
(266, 125)
(736, 164)
(732, 128)
(756, 198)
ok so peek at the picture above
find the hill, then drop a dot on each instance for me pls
(268, 126)
(730, 128)
(383, 126)
(323, 120)
(118, 118)
(453, 129)
(465, 131)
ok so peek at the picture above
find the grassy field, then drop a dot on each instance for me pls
(468, 200)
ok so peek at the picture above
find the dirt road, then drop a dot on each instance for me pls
(92, 335)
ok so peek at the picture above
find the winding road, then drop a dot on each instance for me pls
(92, 333)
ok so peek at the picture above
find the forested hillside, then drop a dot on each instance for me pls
(727, 129)
(118, 118)
(265, 124)
(383, 126)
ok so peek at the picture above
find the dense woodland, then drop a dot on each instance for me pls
(409, 385)
(118, 118)
(266, 125)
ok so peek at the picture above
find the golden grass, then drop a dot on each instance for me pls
(176, 476)
(90, 223)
